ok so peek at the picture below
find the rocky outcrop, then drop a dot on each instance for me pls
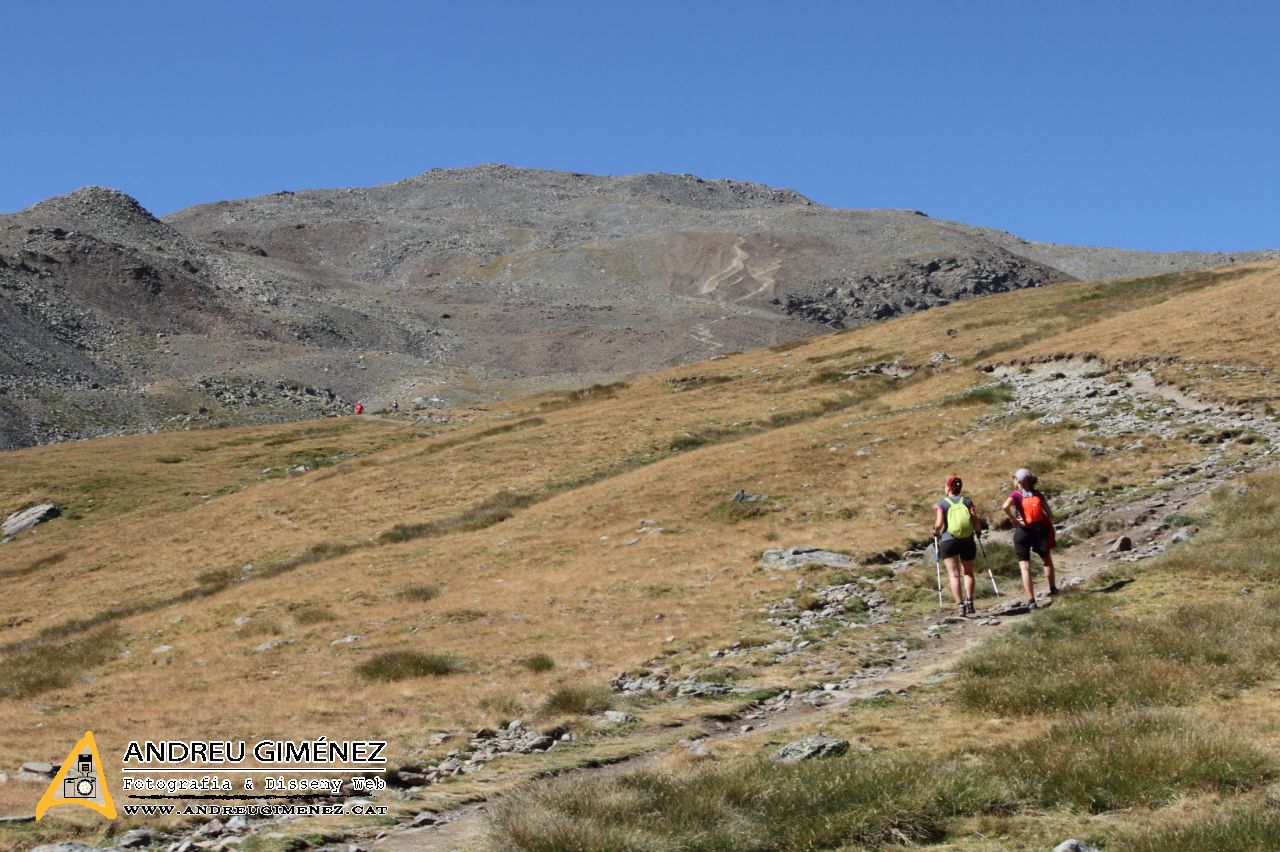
(912, 285)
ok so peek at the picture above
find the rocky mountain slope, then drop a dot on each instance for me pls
(452, 286)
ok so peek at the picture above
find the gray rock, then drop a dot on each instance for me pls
(1074, 845)
(1183, 534)
(817, 745)
(617, 717)
(1122, 544)
(237, 824)
(28, 518)
(790, 558)
(541, 743)
(741, 496)
(273, 644)
(695, 748)
(139, 837)
(213, 826)
(423, 819)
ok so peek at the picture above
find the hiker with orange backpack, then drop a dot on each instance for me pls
(1028, 510)
(956, 520)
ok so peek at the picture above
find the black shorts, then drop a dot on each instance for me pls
(965, 548)
(1027, 539)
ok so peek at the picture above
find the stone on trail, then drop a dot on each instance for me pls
(789, 558)
(28, 518)
(817, 745)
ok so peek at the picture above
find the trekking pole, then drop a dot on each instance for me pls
(987, 562)
(937, 564)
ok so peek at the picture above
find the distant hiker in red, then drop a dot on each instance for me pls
(957, 521)
(1032, 519)
(359, 408)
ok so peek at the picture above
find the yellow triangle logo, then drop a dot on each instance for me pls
(80, 781)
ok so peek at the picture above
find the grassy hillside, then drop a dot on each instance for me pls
(197, 583)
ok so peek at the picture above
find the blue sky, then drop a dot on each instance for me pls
(1147, 125)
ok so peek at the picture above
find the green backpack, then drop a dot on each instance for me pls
(959, 521)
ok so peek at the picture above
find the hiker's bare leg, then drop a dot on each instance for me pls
(1048, 571)
(1025, 567)
(968, 579)
(953, 574)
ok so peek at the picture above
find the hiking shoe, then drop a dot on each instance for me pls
(961, 610)
(1054, 592)
(1032, 606)
(968, 607)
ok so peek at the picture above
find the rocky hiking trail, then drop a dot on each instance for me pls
(1113, 528)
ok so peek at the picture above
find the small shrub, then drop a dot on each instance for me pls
(464, 616)
(982, 395)
(828, 377)
(313, 614)
(171, 459)
(503, 705)
(259, 627)
(401, 665)
(217, 576)
(421, 594)
(577, 700)
(538, 663)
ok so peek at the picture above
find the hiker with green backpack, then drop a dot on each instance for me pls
(1028, 510)
(957, 522)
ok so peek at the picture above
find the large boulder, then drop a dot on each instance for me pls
(28, 518)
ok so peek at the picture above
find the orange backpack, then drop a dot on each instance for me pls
(1033, 510)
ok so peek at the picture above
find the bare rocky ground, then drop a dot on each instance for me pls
(1107, 406)
(459, 285)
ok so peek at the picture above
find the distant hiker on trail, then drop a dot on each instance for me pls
(957, 521)
(395, 407)
(1028, 509)
(359, 408)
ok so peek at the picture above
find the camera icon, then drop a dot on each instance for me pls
(83, 786)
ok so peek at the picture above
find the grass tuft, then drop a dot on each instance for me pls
(538, 663)
(578, 701)
(421, 594)
(401, 665)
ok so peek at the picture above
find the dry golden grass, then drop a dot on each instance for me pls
(161, 550)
